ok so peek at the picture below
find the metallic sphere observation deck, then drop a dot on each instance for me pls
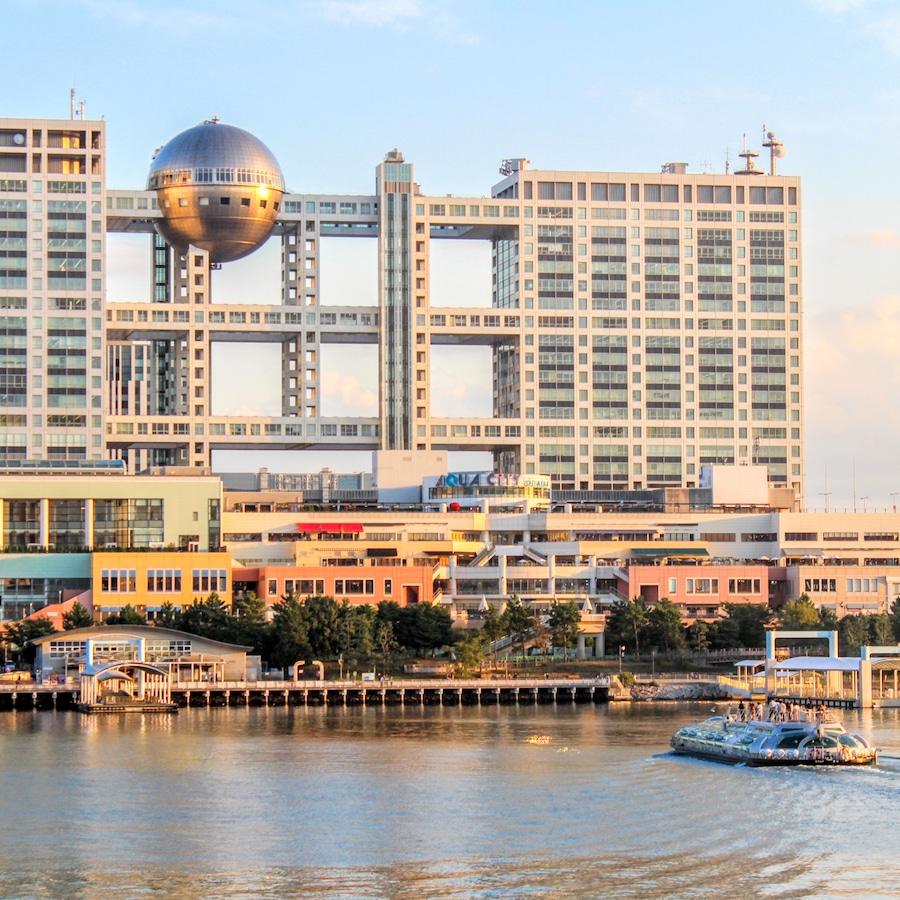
(219, 189)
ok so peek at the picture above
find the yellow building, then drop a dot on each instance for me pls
(146, 581)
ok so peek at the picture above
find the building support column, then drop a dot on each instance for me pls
(44, 524)
(89, 523)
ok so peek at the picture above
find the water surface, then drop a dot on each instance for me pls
(340, 804)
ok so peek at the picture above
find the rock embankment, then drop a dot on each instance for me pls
(703, 691)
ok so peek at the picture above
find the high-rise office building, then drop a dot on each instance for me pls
(52, 236)
(642, 324)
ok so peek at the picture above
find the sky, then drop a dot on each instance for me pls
(331, 85)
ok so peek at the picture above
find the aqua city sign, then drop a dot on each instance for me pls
(492, 479)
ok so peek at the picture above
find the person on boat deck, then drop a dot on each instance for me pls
(753, 709)
(742, 711)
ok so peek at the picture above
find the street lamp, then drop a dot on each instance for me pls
(894, 495)
(621, 656)
(864, 503)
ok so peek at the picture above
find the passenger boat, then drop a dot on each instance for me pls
(764, 743)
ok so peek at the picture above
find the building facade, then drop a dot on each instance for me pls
(52, 289)
(642, 324)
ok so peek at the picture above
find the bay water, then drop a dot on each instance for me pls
(430, 802)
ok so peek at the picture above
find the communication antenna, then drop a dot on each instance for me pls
(776, 149)
(75, 108)
(727, 159)
(748, 156)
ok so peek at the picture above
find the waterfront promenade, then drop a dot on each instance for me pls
(401, 692)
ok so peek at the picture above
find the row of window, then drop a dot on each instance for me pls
(736, 586)
(154, 649)
(829, 585)
(124, 581)
(800, 536)
(306, 587)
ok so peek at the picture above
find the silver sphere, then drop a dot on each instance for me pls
(219, 189)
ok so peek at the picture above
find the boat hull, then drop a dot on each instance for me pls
(757, 762)
(762, 743)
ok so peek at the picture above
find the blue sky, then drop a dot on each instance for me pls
(330, 86)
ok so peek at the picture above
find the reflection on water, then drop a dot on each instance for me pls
(429, 802)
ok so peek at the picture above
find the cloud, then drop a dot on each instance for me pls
(853, 370)
(398, 15)
(135, 13)
(874, 23)
(343, 395)
(836, 7)
(888, 238)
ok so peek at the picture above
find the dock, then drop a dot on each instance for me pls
(396, 692)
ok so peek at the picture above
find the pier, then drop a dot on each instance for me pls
(396, 692)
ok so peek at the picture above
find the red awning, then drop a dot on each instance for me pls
(330, 528)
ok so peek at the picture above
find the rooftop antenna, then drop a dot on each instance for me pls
(776, 149)
(727, 159)
(749, 156)
(75, 109)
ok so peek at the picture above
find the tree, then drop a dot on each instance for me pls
(880, 630)
(493, 627)
(540, 636)
(469, 651)
(290, 631)
(895, 618)
(751, 620)
(698, 636)
(250, 608)
(77, 616)
(167, 616)
(356, 630)
(387, 642)
(618, 628)
(127, 615)
(854, 632)
(799, 615)
(323, 617)
(828, 620)
(18, 634)
(665, 626)
(208, 618)
(517, 621)
(636, 617)
(565, 621)
(424, 627)
(726, 634)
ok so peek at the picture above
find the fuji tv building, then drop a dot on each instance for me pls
(642, 325)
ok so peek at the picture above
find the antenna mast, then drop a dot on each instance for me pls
(776, 149)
